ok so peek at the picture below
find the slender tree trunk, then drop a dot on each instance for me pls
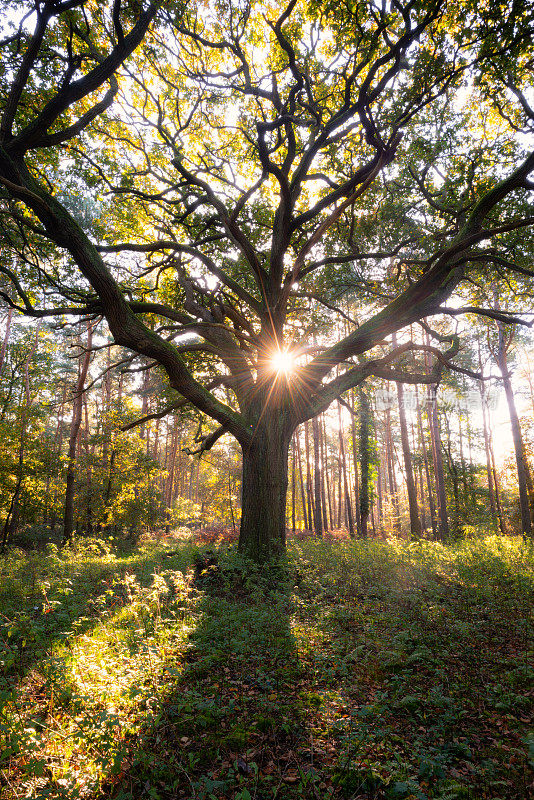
(344, 468)
(301, 479)
(472, 474)
(172, 466)
(155, 447)
(395, 486)
(380, 491)
(230, 500)
(53, 470)
(164, 480)
(89, 468)
(293, 485)
(489, 472)
(415, 522)
(431, 506)
(464, 475)
(340, 504)
(453, 472)
(365, 461)
(318, 515)
(12, 517)
(180, 489)
(418, 471)
(422, 496)
(328, 521)
(520, 458)
(500, 514)
(197, 476)
(68, 517)
(309, 490)
(144, 406)
(5, 340)
(355, 464)
(106, 503)
(390, 461)
(439, 475)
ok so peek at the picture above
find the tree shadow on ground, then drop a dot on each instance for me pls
(429, 671)
(412, 681)
(230, 723)
(383, 675)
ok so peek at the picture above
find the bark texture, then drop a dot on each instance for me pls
(265, 478)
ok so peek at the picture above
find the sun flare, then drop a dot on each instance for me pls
(283, 362)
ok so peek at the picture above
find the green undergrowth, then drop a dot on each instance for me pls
(353, 670)
(83, 636)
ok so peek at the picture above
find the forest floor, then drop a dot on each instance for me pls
(358, 670)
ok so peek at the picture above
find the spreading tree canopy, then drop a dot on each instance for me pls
(218, 179)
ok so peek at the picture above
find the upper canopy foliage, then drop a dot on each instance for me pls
(227, 176)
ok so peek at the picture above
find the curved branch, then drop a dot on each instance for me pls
(32, 134)
(152, 247)
(124, 325)
(21, 78)
(156, 414)
(207, 442)
(73, 130)
(232, 228)
(425, 296)
(502, 316)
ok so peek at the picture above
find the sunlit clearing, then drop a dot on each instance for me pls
(283, 362)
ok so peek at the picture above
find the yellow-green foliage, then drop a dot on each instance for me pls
(90, 632)
(488, 563)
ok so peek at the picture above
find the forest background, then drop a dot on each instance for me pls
(54, 392)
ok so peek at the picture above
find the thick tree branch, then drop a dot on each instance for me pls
(126, 328)
(33, 133)
(76, 128)
(425, 296)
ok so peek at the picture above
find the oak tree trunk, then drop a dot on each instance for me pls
(265, 478)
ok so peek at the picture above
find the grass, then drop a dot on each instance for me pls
(356, 670)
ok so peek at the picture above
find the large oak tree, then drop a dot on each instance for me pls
(244, 169)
